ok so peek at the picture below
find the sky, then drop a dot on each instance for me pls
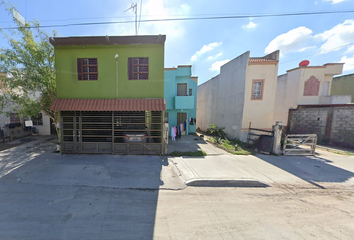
(208, 44)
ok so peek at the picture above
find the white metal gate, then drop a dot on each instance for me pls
(300, 144)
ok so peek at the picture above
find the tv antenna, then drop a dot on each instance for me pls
(134, 7)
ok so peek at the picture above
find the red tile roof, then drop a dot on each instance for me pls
(262, 60)
(123, 104)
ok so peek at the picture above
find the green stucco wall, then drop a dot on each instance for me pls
(68, 85)
(343, 85)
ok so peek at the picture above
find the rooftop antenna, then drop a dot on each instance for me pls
(134, 7)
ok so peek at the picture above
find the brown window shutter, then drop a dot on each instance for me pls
(79, 69)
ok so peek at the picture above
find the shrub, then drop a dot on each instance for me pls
(217, 131)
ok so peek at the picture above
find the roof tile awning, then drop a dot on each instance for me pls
(123, 104)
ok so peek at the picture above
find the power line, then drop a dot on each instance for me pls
(321, 52)
(195, 18)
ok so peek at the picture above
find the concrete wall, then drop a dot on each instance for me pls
(45, 128)
(283, 99)
(332, 124)
(221, 99)
(336, 99)
(343, 85)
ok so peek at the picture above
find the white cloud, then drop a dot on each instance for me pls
(340, 35)
(335, 1)
(204, 49)
(349, 63)
(215, 56)
(350, 50)
(154, 9)
(250, 25)
(293, 41)
(216, 65)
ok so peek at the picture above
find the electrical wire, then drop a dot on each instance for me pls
(318, 53)
(192, 18)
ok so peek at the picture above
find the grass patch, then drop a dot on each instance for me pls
(346, 153)
(188, 154)
(229, 145)
(349, 153)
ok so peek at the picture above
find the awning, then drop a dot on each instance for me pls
(123, 104)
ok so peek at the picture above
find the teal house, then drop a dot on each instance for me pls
(180, 90)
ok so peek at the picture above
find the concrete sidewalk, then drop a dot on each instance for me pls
(325, 170)
(192, 143)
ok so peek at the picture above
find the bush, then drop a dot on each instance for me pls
(217, 131)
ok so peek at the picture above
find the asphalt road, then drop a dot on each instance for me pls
(44, 195)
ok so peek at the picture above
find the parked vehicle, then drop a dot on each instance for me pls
(135, 134)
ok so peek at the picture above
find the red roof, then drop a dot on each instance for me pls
(262, 60)
(123, 104)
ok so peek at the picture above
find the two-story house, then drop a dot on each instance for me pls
(243, 93)
(110, 93)
(306, 85)
(181, 97)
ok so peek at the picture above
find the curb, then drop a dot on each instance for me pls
(198, 182)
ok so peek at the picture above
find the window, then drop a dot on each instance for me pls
(138, 68)
(37, 120)
(181, 89)
(87, 69)
(257, 89)
(190, 92)
(14, 118)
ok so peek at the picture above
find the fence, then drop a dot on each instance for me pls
(300, 144)
(255, 133)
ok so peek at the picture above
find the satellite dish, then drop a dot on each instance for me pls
(304, 63)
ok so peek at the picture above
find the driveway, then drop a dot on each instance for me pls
(220, 168)
(46, 195)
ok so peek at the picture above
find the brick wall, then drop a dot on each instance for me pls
(332, 124)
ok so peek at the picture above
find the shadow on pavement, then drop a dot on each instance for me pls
(188, 143)
(310, 168)
(55, 196)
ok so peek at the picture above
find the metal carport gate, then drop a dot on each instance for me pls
(102, 131)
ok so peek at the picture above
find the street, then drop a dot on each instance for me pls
(46, 195)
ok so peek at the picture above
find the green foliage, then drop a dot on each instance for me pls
(188, 154)
(235, 146)
(217, 131)
(29, 85)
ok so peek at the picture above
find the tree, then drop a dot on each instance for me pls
(29, 85)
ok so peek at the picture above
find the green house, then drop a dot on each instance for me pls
(110, 93)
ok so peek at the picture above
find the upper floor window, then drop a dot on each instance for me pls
(138, 68)
(190, 92)
(257, 89)
(87, 69)
(181, 89)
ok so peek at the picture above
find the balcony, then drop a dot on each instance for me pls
(336, 99)
(184, 102)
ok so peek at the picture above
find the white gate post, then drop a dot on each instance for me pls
(277, 129)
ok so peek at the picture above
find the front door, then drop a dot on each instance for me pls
(181, 117)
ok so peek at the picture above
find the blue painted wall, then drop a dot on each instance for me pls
(172, 77)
